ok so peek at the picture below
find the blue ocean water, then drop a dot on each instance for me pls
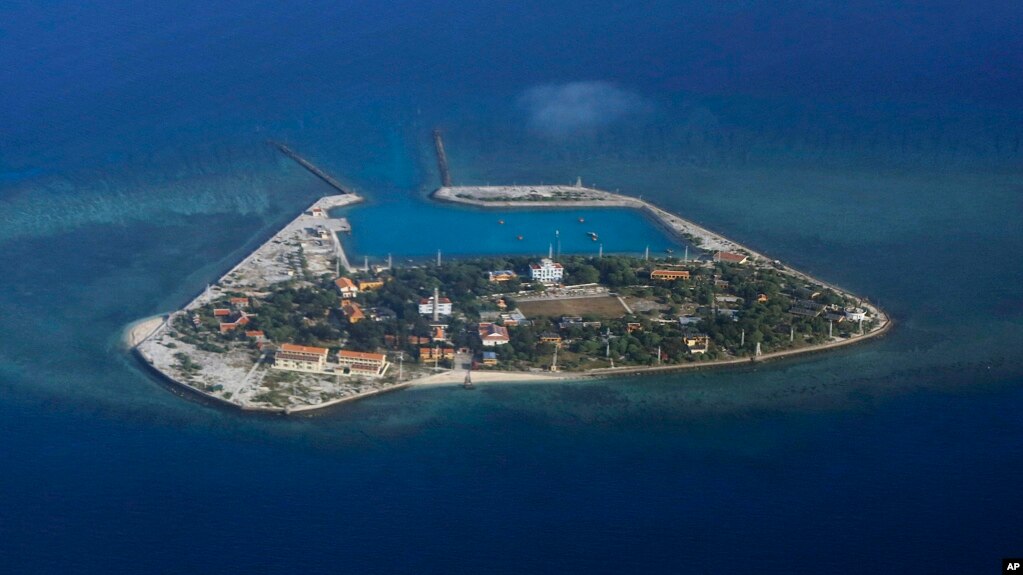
(876, 146)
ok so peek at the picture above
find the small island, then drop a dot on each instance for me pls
(295, 326)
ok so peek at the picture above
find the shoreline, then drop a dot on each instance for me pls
(139, 332)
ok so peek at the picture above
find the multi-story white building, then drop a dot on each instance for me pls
(547, 271)
(443, 306)
(300, 358)
(362, 363)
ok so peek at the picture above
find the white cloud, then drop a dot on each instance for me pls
(562, 109)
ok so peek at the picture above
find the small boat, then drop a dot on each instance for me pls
(669, 251)
(581, 220)
(520, 238)
(593, 236)
(500, 222)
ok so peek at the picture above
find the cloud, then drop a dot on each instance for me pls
(562, 109)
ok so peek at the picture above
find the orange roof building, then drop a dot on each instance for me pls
(346, 287)
(361, 363)
(353, 312)
(301, 358)
(730, 257)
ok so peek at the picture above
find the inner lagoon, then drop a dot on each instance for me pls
(416, 229)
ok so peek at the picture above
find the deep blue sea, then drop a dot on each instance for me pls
(877, 146)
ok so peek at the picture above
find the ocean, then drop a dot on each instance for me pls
(874, 146)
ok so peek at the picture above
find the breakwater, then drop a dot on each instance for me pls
(442, 159)
(312, 168)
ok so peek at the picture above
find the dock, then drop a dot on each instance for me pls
(442, 159)
(330, 180)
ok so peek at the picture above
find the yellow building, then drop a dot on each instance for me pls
(697, 343)
(368, 285)
(669, 275)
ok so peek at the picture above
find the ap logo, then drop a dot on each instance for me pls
(1013, 565)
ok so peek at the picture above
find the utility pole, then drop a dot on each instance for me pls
(792, 334)
(742, 342)
(831, 327)
(658, 355)
(401, 365)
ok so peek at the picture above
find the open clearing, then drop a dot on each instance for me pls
(605, 307)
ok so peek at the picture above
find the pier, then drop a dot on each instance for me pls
(311, 167)
(442, 159)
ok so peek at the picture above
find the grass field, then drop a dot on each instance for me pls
(604, 307)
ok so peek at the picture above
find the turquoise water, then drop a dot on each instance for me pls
(417, 229)
(875, 145)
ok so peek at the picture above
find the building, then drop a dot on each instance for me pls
(730, 257)
(361, 363)
(633, 326)
(256, 334)
(436, 353)
(346, 287)
(492, 334)
(233, 321)
(369, 285)
(353, 312)
(489, 358)
(547, 271)
(443, 306)
(239, 302)
(221, 312)
(806, 308)
(697, 343)
(855, 314)
(550, 338)
(669, 275)
(301, 358)
(501, 275)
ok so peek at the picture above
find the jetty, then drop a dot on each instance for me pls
(313, 169)
(442, 159)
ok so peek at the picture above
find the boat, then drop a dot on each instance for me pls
(669, 251)
(593, 236)
(520, 238)
(581, 220)
(500, 222)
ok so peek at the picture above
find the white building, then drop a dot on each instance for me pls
(301, 358)
(855, 314)
(547, 271)
(443, 306)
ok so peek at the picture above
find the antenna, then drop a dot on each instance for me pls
(438, 258)
(600, 251)
(687, 254)
(550, 251)
(646, 254)
(365, 264)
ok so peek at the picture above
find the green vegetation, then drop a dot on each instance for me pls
(736, 306)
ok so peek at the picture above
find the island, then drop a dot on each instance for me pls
(295, 326)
